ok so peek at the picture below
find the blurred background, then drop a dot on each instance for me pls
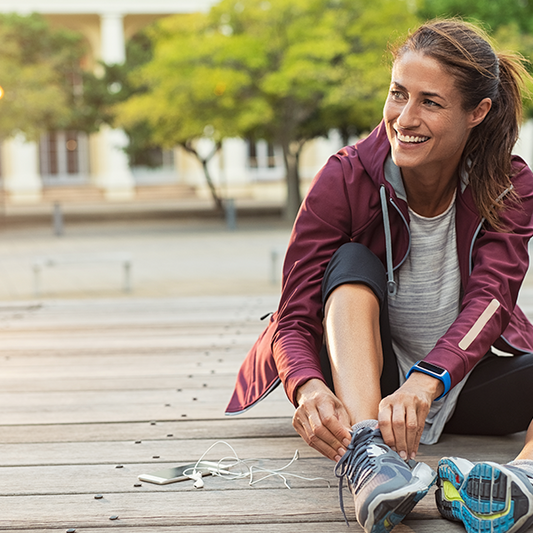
(126, 126)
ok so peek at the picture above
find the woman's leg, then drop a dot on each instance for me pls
(527, 451)
(363, 367)
(497, 398)
(352, 334)
(358, 353)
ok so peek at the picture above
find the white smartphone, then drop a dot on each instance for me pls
(180, 473)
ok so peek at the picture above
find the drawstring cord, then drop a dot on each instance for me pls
(391, 284)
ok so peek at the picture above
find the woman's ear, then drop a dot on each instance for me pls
(480, 112)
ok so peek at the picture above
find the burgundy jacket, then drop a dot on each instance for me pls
(343, 205)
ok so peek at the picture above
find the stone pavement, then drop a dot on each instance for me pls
(170, 258)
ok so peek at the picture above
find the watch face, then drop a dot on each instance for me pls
(432, 368)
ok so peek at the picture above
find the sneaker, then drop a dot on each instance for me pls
(486, 497)
(384, 486)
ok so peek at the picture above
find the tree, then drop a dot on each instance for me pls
(181, 97)
(287, 71)
(42, 78)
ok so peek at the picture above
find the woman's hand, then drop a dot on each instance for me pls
(402, 415)
(321, 419)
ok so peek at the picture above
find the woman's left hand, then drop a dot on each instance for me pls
(402, 415)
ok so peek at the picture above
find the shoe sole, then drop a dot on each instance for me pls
(490, 498)
(389, 509)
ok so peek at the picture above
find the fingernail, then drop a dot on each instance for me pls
(346, 442)
(413, 455)
(393, 448)
(403, 455)
(337, 458)
(341, 451)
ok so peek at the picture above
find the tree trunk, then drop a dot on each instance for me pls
(291, 155)
(204, 162)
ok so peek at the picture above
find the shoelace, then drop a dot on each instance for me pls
(356, 464)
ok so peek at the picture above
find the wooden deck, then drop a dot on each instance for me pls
(94, 393)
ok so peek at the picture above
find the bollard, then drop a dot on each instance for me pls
(58, 219)
(231, 214)
(274, 275)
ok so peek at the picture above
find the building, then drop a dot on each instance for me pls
(96, 164)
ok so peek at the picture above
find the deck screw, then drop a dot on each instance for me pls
(119, 466)
(71, 530)
(98, 496)
(114, 517)
(137, 485)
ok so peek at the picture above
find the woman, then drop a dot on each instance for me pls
(402, 272)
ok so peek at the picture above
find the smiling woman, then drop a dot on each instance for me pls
(402, 273)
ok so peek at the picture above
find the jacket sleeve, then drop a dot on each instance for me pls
(499, 264)
(322, 226)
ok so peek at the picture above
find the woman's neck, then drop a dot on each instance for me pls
(428, 196)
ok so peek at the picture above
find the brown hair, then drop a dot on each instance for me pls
(479, 72)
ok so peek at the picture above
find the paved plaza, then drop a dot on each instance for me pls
(169, 258)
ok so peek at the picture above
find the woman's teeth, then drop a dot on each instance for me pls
(411, 138)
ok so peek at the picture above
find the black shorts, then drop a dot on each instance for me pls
(497, 398)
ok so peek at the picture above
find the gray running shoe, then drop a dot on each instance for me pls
(486, 497)
(385, 488)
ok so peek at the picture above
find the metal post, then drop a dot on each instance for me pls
(127, 276)
(58, 219)
(231, 214)
(274, 255)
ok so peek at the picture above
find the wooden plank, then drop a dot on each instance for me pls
(407, 526)
(127, 452)
(227, 428)
(129, 406)
(192, 507)
(107, 479)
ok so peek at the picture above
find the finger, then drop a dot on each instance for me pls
(385, 425)
(413, 432)
(400, 430)
(338, 425)
(315, 437)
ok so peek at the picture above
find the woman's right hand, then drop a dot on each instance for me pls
(321, 419)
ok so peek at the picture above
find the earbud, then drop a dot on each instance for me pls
(198, 481)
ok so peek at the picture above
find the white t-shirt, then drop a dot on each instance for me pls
(427, 302)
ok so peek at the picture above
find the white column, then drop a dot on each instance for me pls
(22, 181)
(112, 38)
(115, 176)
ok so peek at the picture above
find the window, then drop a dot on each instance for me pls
(64, 157)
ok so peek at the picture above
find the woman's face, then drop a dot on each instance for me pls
(426, 125)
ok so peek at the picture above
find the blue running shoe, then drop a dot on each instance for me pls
(486, 497)
(385, 488)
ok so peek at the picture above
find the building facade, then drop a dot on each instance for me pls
(74, 159)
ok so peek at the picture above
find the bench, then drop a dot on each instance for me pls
(42, 262)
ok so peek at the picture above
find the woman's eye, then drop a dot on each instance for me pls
(396, 95)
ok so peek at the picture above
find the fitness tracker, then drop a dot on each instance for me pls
(434, 371)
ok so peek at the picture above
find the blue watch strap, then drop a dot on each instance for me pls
(443, 376)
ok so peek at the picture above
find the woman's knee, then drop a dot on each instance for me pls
(354, 264)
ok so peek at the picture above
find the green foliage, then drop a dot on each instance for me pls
(283, 70)
(41, 74)
(493, 13)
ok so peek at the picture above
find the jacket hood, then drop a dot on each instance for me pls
(373, 152)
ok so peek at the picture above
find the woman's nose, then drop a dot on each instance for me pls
(409, 117)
